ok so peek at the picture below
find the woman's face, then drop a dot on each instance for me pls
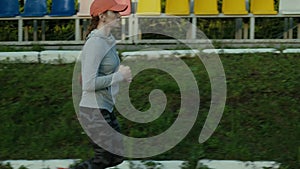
(112, 19)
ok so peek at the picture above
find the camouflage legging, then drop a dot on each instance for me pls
(93, 123)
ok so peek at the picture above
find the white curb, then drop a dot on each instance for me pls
(241, 51)
(59, 56)
(65, 56)
(134, 164)
(291, 51)
(40, 164)
(20, 57)
(160, 52)
(232, 164)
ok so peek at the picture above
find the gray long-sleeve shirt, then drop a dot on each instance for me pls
(99, 65)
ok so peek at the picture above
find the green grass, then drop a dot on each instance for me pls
(260, 121)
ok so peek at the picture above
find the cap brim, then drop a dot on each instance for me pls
(119, 8)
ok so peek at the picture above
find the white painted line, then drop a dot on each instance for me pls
(19, 57)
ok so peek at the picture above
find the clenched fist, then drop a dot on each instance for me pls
(126, 73)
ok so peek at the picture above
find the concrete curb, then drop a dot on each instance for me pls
(24, 57)
(234, 164)
(59, 56)
(135, 164)
(291, 51)
(241, 51)
(67, 56)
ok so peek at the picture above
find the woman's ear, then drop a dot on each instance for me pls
(102, 17)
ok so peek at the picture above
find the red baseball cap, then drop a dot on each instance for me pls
(100, 6)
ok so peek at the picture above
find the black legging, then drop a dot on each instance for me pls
(92, 121)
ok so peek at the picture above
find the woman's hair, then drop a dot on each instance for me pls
(93, 25)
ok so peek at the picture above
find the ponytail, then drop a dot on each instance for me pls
(93, 25)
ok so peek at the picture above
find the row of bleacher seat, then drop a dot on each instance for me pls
(38, 8)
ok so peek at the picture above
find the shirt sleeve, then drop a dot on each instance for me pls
(93, 53)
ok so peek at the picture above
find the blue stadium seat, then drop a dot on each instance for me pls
(9, 8)
(62, 8)
(35, 8)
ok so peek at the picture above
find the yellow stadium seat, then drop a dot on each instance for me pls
(262, 7)
(177, 7)
(289, 6)
(206, 7)
(234, 7)
(149, 7)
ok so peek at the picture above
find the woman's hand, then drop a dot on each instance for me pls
(126, 73)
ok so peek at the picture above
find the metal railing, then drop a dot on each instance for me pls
(134, 29)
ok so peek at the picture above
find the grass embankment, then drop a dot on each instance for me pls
(260, 121)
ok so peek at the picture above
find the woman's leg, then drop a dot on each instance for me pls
(93, 123)
(102, 156)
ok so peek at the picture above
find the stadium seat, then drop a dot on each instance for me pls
(262, 7)
(149, 7)
(35, 8)
(206, 7)
(62, 8)
(178, 7)
(234, 7)
(84, 7)
(128, 10)
(9, 8)
(289, 6)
